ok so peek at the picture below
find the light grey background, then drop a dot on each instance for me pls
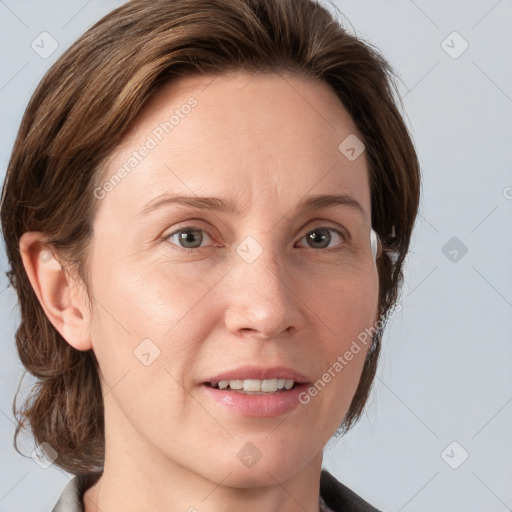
(445, 373)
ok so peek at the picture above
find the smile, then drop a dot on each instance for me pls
(255, 386)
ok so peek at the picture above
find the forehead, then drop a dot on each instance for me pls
(258, 137)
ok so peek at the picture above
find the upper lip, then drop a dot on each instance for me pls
(261, 373)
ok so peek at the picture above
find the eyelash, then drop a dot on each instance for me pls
(166, 238)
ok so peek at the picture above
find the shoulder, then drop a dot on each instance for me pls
(340, 498)
(71, 499)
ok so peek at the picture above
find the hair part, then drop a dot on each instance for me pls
(88, 101)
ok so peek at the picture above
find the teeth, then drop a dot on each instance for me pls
(288, 384)
(236, 384)
(269, 386)
(256, 385)
(252, 385)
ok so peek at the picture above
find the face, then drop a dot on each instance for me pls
(251, 286)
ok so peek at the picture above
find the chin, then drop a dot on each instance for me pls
(271, 467)
(256, 477)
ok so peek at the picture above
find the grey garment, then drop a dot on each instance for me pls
(334, 496)
(340, 498)
(70, 500)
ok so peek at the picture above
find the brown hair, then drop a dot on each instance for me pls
(88, 100)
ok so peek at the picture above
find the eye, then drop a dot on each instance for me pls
(320, 238)
(190, 238)
(187, 238)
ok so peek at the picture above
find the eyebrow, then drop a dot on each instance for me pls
(306, 205)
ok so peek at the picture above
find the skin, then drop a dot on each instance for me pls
(265, 142)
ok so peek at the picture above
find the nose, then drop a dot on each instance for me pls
(264, 297)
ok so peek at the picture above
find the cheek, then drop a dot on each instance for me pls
(345, 303)
(347, 311)
(159, 301)
(145, 342)
(152, 314)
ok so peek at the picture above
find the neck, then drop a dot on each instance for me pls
(139, 476)
(180, 490)
(143, 479)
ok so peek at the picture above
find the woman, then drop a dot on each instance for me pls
(206, 213)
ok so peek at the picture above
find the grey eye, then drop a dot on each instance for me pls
(187, 238)
(320, 238)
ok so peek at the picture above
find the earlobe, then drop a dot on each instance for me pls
(59, 295)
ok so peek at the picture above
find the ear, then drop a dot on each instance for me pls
(62, 298)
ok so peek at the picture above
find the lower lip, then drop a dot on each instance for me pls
(263, 406)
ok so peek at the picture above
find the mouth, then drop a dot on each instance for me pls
(256, 398)
(256, 391)
(254, 386)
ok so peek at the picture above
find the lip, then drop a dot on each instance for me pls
(260, 373)
(258, 405)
